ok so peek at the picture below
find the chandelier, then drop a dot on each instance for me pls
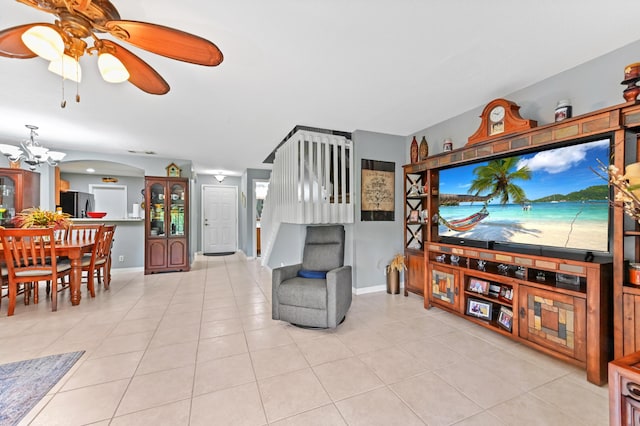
(31, 152)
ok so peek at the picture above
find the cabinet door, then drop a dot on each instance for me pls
(631, 312)
(156, 256)
(177, 253)
(556, 321)
(157, 211)
(414, 275)
(444, 287)
(177, 208)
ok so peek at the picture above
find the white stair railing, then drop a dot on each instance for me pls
(311, 181)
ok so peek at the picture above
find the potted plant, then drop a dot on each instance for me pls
(393, 273)
(35, 217)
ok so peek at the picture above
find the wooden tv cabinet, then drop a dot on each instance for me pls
(558, 306)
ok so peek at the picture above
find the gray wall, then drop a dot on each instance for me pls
(589, 87)
(375, 243)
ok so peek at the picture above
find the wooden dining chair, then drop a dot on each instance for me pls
(99, 264)
(78, 232)
(30, 255)
(82, 231)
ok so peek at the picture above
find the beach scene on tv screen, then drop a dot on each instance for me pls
(548, 198)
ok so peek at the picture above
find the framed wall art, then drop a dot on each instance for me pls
(377, 192)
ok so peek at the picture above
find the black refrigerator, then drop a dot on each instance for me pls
(77, 204)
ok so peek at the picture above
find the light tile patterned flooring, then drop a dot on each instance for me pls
(200, 348)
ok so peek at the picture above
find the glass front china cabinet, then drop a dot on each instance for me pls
(19, 190)
(166, 224)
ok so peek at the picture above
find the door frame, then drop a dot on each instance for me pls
(202, 204)
(254, 222)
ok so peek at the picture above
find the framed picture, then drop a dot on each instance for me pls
(479, 309)
(414, 216)
(506, 293)
(377, 192)
(505, 318)
(478, 286)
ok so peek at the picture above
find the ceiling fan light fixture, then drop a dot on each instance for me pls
(67, 67)
(44, 41)
(112, 69)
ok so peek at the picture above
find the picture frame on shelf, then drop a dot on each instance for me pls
(505, 318)
(494, 290)
(479, 309)
(478, 286)
(414, 216)
(506, 293)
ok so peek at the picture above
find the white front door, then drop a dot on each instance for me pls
(220, 219)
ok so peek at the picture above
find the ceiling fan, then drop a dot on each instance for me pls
(63, 43)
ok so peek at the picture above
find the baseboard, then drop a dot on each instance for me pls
(371, 289)
(131, 269)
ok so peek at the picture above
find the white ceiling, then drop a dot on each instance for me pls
(389, 66)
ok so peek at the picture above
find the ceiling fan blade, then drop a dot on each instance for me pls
(141, 74)
(11, 44)
(165, 41)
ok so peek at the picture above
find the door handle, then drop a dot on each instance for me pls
(634, 390)
(523, 312)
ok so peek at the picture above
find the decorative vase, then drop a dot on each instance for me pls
(424, 149)
(393, 281)
(414, 150)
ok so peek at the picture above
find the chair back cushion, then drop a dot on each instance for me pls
(323, 248)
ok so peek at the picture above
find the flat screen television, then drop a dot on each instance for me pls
(548, 202)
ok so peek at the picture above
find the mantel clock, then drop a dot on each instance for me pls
(500, 117)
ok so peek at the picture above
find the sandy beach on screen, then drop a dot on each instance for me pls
(578, 235)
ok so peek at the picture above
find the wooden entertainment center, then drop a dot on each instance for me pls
(574, 307)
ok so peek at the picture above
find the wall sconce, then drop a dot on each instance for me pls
(219, 178)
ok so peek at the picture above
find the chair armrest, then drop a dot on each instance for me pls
(283, 273)
(278, 275)
(339, 293)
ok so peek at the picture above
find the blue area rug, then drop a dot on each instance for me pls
(24, 383)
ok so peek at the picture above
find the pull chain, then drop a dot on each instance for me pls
(77, 80)
(64, 102)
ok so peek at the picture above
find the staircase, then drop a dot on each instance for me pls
(311, 180)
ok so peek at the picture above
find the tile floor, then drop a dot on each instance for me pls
(200, 348)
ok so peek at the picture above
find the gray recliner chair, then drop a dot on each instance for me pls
(302, 295)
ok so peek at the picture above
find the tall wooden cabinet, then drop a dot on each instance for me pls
(19, 190)
(166, 224)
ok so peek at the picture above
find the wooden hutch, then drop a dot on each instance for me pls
(166, 224)
(603, 307)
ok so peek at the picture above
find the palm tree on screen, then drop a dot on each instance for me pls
(496, 179)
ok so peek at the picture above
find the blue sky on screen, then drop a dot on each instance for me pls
(555, 171)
